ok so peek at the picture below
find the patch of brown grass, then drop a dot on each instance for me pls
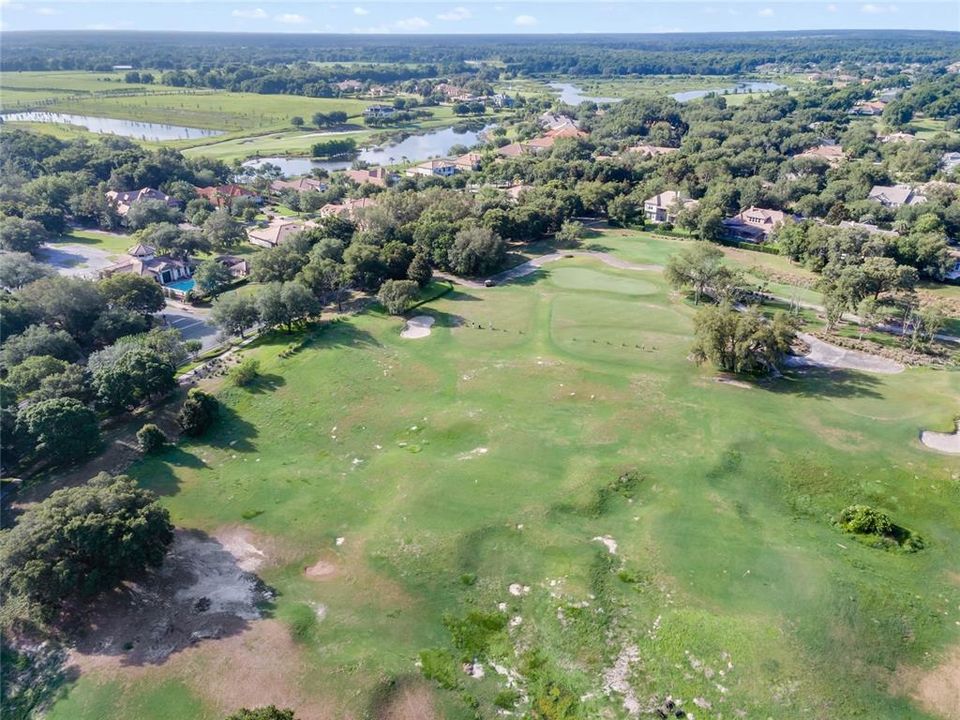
(936, 690)
(408, 700)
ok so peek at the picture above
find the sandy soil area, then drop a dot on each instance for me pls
(417, 327)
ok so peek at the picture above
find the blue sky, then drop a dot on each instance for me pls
(488, 16)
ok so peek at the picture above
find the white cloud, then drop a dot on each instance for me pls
(255, 14)
(372, 30)
(831, 8)
(47, 11)
(412, 24)
(11, 5)
(456, 14)
(360, 11)
(873, 9)
(525, 20)
(766, 12)
(290, 19)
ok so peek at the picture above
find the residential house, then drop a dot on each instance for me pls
(349, 86)
(894, 196)
(277, 231)
(238, 267)
(664, 206)
(865, 107)
(143, 260)
(379, 111)
(554, 121)
(650, 150)
(449, 91)
(949, 161)
(754, 224)
(348, 208)
(833, 154)
(301, 184)
(897, 137)
(123, 201)
(501, 100)
(566, 131)
(468, 162)
(868, 228)
(223, 195)
(513, 150)
(381, 177)
(438, 167)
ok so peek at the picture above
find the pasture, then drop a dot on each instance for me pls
(548, 459)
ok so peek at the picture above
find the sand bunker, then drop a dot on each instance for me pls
(942, 442)
(417, 327)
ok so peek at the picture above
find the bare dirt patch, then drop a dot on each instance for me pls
(201, 592)
(322, 570)
(408, 700)
(936, 690)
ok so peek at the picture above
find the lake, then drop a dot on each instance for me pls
(113, 126)
(751, 86)
(414, 148)
(572, 95)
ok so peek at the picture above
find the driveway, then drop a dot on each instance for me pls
(75, 260)
(824, 354)
(193, 323)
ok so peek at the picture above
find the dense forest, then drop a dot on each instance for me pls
(584, 55)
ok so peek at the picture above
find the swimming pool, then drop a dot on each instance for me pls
(182, 286)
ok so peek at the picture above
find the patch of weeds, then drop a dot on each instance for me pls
(251, 514)
(439, 665)
(468, 579)
(302, 621)
(627, 576)
(875, 529)
(473, 633)
(730, 461)
(624, 486)
(506, 699)
(551, 697)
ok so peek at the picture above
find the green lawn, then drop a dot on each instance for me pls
(455, 465)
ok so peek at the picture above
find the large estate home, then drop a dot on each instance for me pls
(277, 232)
(754, 224)
(664, 206)
(223, 195)
(894, 196)
(123, 201)
(143, 260)
(300, 184)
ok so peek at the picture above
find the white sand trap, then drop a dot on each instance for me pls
(476, 452)
(942, 442)
(608, 542)
(417, 327)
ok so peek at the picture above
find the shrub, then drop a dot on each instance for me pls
(150, 438)
(245, 373)
(396, 295)
(439, 665)
(865, 520)
(198, 412)
(506, 699)
(270, 712)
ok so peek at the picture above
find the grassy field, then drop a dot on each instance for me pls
(488, 454)
(254, 125)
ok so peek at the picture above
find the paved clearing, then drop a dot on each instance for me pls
(823, 354)
(193, 323)
(75, 260)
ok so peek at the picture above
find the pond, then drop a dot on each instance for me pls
(751, 86)
(573, 95)
(113, 126)
(414, 148)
